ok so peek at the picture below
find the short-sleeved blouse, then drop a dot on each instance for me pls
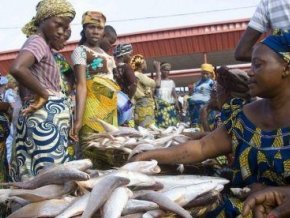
(97, 62)
(260, 156)
(45, 70)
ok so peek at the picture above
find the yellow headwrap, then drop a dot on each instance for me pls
(136, 61)
(46, 9)
(208, 68)
(94, 17)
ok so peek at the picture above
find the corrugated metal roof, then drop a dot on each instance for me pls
(204, 38)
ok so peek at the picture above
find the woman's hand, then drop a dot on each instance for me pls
(269, 203)
(37, 104)
(156, 65)
(74, 131)
(136, 157)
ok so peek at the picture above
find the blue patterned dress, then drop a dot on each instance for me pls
(260, 156)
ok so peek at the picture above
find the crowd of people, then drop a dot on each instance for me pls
(48, 107)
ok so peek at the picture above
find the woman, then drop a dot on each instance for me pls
(201, 93)
(96, 91)
(68, 89)
(167, 101)
(257, 133)
(42, 129)
(230, 83)
(126, 79)
(143, 98)
(5, 115)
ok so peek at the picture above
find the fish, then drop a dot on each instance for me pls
(154, 214)
(116, 202)
(147, 167)
(101, 192)
(205, 199)
(182, 195)
(142, 147)
(169, 130)
(156, 187)
(56, 175)
(81, 165)
(76, 207)
(138, 206)
(22, 202)
(136, 178)
(107, 127)
(48, 208)
(135, 215)
(165, 203)
(43, 193)
(182, 180)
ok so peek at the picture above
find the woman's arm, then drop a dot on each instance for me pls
(131, 78)
(81, 94)
(203, 118)
(156, 65)
(214, 144)
(20, 70)
(175, 96)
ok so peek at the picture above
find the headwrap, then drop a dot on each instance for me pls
(234, 81)
(94, 17)
(279, 42)
(165, 66)
(208, 68)
(122, 49)
(46, 9)
(137, 61)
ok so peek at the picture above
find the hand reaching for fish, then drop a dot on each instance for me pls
(136, 157)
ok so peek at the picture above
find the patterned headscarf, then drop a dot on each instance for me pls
(208, 68)
(137, 61)
(46, 9)
(94, 17)
(279, 42)
(234, 81)
(165, 66)
(122, 49)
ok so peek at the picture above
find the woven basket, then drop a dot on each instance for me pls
(106, 159)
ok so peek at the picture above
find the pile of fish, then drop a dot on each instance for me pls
(133, 141)
(74, 189)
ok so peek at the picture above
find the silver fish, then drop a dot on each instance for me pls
(154, 214)
(55, 175)
(43, 193)
(116, 202)
(165, 203)
(77, 207)
(147, 167)
(101, 192)
(136, 178)
(48, 208)
(182, 180)
(137, 206)
(184, 194)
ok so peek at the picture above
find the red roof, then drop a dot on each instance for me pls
(205, 38)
